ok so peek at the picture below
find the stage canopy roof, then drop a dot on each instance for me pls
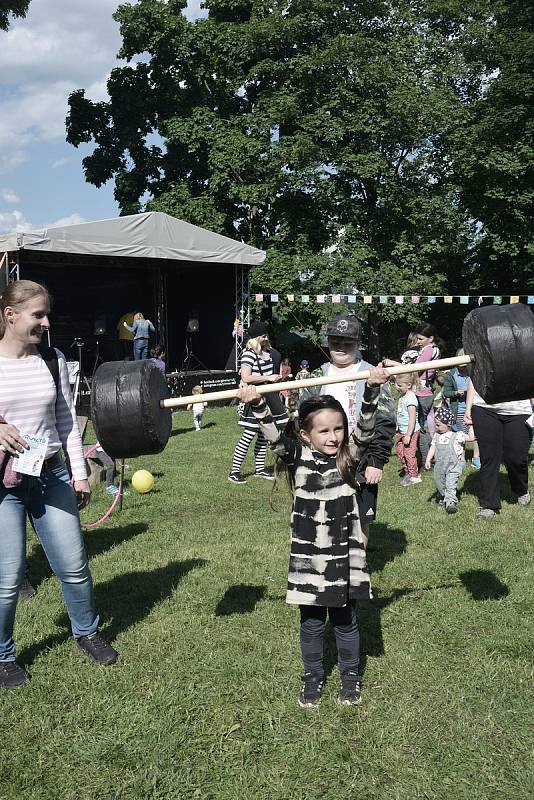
(148, 235)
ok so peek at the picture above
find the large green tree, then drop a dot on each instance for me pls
(318, 130)
(17, 8)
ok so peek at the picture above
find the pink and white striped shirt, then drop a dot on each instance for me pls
(28, 401)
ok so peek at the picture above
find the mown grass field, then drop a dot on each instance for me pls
(190, 582)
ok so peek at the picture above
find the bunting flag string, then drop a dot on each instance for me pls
(395, 299)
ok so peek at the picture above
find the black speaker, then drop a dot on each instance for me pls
(192, 325)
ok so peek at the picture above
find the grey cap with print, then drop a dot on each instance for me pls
(346, 326)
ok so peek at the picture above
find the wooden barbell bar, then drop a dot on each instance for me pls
(324, 380)
(131, 404)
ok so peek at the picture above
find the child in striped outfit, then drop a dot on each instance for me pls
(328, 568)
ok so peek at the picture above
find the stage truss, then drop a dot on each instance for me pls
(9, 268)
(242, 309)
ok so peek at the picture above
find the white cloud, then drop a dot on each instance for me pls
(59, 38)
(15, 221)
(72, 219)
(59, 47)
(9, 196)
(60, 162)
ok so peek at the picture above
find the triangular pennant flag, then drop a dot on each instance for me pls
(497, 300)
(383, 299)
(399, 299)
(431, 298)
(368, 299)
(259, 298)
(336, 298)
(415, 299)
(351, 298)
(274, 298)
(514, 298)
(290, 298)
(447, 298)
(464, 299)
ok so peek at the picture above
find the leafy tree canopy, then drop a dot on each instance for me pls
(347, 139)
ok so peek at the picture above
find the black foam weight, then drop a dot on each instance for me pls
(125, 408)
(501, 338)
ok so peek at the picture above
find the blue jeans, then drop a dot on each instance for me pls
(140, 349)
(50, 503)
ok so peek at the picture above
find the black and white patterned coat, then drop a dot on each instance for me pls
(327, 565)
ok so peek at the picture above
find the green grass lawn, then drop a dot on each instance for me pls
(190, 582)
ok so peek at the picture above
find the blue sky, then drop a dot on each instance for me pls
(60, 46)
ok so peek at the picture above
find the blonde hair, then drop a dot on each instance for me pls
(138, 315)
(411, 341)
(255, 345)
(16, 294)
(411, 378)
(196, 390)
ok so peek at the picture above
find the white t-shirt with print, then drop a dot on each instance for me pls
(345, 393)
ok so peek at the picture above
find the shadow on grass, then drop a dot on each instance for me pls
(126, 600)
(240, 599)
(190, 428)
(96, 542)
(472, 486)
(483, 585)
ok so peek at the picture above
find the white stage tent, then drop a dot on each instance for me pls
(148, 235)
(152, 262)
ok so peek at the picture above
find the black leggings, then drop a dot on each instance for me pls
(345, 625)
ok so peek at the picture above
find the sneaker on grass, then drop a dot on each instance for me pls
(262, 473)
(11, 675)
(524, 499)
(486, 513)
(99, 650)
(236, 477)
(451, 508)
(311, 691)
(351, 689)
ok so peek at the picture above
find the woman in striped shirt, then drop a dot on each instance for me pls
(256, 368)
(35, 400)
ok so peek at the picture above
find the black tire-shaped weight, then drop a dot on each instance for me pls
(125, 408)
(501, 338)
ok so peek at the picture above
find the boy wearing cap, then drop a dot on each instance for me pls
(448, 451)
(344, 335)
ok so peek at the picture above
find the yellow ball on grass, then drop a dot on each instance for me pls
(142, 481)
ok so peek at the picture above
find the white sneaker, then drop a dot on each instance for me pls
(524, 500)
(413, 481)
